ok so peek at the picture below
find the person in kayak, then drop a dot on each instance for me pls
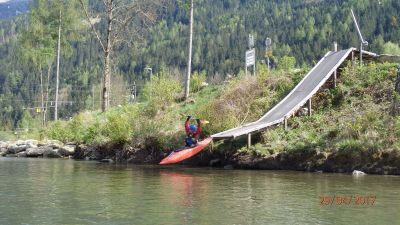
(192, 132)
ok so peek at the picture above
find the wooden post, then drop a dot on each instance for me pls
(248, 140)
(309, 107)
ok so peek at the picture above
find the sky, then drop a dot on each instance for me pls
(2, 1)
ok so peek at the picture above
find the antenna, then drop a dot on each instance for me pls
(363, 42)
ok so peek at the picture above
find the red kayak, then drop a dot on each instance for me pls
(178, 156)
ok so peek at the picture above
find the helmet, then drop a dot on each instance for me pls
(193, 128)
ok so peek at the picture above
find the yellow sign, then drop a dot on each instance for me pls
(268, 54)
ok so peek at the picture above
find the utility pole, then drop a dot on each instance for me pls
(189, 66)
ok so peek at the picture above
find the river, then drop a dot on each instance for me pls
(43, 191)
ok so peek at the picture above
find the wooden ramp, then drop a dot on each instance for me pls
(298, 97)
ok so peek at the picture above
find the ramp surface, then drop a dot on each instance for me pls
(307, 87)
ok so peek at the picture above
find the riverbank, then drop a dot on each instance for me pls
(382, 162)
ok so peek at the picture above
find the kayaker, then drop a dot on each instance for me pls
(192, 132)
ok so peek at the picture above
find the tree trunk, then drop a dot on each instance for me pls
(189, 66)
(42, 95)
(107, 52)
(47, 94)
(58, 68)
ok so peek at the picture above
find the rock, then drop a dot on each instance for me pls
(3, 151)
(302, 112)
(67, 150)
(21, 154)
(3, 144)
(50, 153)
(228, 167)
(14, 149)
(30, 145)
(214, 161)
(358, 173)
(107, 161)
(36, 152)
(51, 143)
(28, 142)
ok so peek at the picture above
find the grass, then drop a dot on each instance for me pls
(353, 119)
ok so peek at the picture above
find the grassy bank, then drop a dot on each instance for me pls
(354, 120)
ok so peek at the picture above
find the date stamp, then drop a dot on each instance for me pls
(347, 200)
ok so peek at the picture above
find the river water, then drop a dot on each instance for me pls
(43, 191)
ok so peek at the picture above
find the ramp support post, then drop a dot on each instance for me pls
(309, 107)
(285, 122)
(248, 141)
(335, 48)
(334, 78)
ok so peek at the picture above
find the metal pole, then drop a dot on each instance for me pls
(361, 50)
(58, 68)
(335, 46)
(92, 97)
(248, 140)
(190, 49)
(285, 122)
(134, 90)
(309, 107)
(254, 69)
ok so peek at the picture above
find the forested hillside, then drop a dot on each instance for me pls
(298, 28)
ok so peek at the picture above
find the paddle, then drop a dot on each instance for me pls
(203, 121)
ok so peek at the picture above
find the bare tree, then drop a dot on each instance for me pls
(125, 20)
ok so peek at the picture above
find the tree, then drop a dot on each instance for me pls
(125, 21)
(38, 44)
(391, 48)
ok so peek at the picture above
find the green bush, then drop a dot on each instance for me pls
(196, 81)
(161, 90)
(287, 63)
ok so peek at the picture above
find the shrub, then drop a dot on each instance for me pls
(287, 63)
(197, 80)
(161, 90)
